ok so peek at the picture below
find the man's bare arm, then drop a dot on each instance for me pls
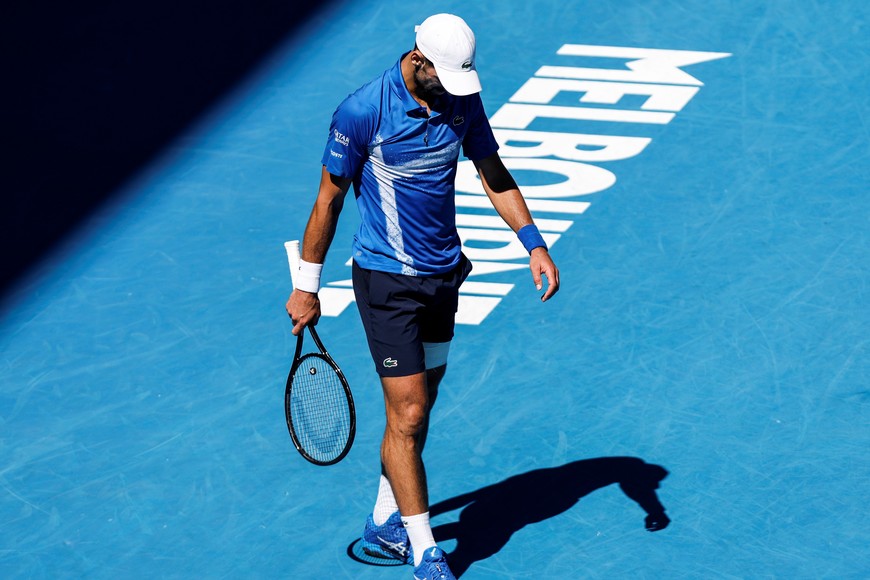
(507, 200)
(304, 307)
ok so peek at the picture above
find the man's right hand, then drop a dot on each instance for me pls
(304, 309)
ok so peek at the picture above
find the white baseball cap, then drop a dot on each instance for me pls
(448, 42)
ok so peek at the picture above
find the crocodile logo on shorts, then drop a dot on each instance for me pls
(390, 362)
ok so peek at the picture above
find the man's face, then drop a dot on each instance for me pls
(427, 80)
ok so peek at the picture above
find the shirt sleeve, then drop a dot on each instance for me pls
(479, 142)
(350, 133)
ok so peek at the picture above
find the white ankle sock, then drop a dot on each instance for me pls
(385, 505)
(420, 534)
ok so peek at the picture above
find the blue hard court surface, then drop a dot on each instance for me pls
(712, 322)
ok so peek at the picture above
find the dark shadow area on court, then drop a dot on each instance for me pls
(491, 515)
(95, 90)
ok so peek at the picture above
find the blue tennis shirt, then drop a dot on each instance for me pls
(402, 161)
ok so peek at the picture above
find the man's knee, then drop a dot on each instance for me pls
(408, 418)
(407, 402)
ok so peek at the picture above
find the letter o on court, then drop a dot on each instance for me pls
(580, 178)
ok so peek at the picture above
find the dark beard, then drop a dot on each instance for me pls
(428, 89)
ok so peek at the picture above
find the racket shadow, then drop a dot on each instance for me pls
(491, 515)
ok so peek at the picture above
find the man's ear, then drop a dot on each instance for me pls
(417, 58)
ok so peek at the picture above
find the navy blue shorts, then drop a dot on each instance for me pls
(400, 313)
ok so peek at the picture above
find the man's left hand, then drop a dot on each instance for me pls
(541, 264)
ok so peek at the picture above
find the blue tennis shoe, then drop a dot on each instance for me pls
(389, 541)
(433, 566)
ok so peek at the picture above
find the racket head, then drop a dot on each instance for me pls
(319, 408)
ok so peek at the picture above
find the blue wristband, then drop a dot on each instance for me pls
(531, 238)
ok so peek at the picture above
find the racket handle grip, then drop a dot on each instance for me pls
(293, 257)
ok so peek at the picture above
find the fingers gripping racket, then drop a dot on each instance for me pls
(318, 403)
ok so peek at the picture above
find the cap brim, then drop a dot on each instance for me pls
(459, 83)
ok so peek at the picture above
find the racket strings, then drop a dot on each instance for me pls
(319, 409)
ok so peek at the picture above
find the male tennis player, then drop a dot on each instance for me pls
(397, 140)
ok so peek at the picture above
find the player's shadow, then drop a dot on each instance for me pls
(491, 515)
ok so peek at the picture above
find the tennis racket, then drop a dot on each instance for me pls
(318, 403)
